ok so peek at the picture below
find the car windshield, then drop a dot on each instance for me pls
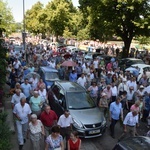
(51, 76)
(79, 100)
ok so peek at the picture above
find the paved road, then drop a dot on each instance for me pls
(105, 142)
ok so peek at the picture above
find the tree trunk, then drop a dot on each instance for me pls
(127, 43)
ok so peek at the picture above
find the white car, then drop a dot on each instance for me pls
(142, 68)
(72, 49)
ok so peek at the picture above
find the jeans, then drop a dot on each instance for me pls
(112, 126)
(22, 131)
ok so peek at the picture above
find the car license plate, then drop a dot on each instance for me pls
(94, 131)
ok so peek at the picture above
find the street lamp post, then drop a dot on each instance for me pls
(24, 30)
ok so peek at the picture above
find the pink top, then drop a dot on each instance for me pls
(134, 107)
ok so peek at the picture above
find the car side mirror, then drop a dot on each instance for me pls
(60, 101)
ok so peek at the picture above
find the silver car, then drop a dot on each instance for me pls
(88, 120)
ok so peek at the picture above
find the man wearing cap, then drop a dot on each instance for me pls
(141, 91)
(130, 122)
(122, 87)
(130, 94)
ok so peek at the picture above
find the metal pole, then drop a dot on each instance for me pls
(24, 30)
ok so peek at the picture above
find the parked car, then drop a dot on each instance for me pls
(88, 120)
(133, 143)
(142, 68)
(127, 62)
(49, 75)
(72, 49)
(91, 55)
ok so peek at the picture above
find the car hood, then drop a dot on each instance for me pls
(87, 116)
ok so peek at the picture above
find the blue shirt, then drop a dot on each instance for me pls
(147, 103)
(73, 77)
(115, 110)
(26, 88)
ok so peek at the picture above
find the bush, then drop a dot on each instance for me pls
(5, 133)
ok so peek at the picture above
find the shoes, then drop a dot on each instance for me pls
(24, 140)
(113, 136)
(20, 147)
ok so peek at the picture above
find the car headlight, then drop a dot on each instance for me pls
(77, 124)
(104, 122)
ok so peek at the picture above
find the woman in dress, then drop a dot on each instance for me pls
(36, 130)
(54, 141)
(74, 143)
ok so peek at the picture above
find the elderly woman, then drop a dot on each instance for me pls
(55, 140)
(35, 103)
(36, 130)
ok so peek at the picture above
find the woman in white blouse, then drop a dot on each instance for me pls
(36, 130)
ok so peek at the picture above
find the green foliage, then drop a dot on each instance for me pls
(5, 133)
(123, 18)
(6, 18)
(3, 52)
(34, 19)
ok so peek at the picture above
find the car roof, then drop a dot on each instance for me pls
(48, 69)
(70, 86)
(141, 65)
(133, 143)
(131, 59)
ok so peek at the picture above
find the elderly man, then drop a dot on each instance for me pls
(49, 119)
(65, 122)
(22, 113)
(17, 97)
(130, 122)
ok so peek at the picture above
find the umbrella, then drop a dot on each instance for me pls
(30, 75)
(131, 69)
(68, 63)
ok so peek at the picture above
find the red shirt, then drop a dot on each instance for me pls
(48, 119)
(74, 146)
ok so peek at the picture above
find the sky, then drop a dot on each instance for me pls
(16, 6)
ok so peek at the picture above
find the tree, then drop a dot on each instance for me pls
(6, 18)
(124, 18)
(58, 16)
(35, 18)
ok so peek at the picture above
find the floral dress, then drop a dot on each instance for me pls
(53, 143)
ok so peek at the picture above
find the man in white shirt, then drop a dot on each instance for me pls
(130, 122)
(22, 113)
(122, 87)
(33, 81)
(65, 122)
(16, 65)
(96, 62)
(17, 97)
(114, 92)
(82, 80)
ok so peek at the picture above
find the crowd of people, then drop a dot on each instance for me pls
(117, 94)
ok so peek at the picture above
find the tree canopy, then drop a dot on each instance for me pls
(6, 18)
(124, 18)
